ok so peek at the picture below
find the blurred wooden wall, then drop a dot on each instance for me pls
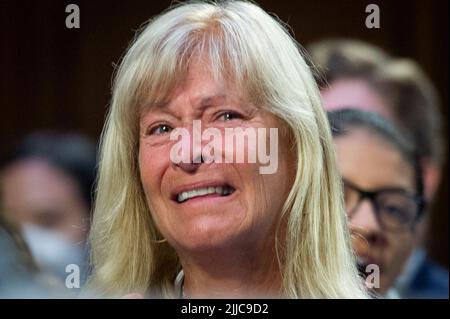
(58, 78)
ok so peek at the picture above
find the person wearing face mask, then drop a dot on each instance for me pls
(20, 276)
(46, 183)
(383, 191)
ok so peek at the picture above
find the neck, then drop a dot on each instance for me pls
(232, 273)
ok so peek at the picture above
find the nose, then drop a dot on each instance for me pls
(192, 151)
(191, 166)
(364, 224)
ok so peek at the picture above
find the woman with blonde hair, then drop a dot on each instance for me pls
(208, 227)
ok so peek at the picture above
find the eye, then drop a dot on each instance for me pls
(160, 129)
(401, 214)
(229, 115)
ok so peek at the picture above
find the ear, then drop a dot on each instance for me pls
(431, 178)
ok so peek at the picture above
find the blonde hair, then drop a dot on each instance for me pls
(252, 49)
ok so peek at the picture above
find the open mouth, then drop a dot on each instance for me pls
(213, 190)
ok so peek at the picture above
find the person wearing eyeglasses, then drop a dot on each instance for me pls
(355, 73)
(383, 192)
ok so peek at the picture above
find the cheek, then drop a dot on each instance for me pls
(277, 188)
(153, 163)
(397, 254)
(401, 244)
(265, 194)
(397, 251)
(272, 188)
(252, 185)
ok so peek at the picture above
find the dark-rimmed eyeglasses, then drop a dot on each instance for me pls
(396, 209)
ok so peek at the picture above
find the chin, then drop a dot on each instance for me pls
(209, 233)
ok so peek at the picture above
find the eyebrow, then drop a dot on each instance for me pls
(203, 103)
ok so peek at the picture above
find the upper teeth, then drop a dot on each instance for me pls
(183, 196)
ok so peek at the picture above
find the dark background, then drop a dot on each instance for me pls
(58, 78)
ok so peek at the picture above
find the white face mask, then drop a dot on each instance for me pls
(53, 252)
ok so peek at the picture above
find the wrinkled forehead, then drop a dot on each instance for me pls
(205, 85)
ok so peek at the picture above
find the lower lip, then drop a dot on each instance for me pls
(208, 199)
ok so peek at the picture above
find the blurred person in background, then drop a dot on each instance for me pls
(355, 74)
(45, 185)
(383, 191)
(20, 277)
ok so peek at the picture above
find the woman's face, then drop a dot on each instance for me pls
(370, 163)
(233, 204)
